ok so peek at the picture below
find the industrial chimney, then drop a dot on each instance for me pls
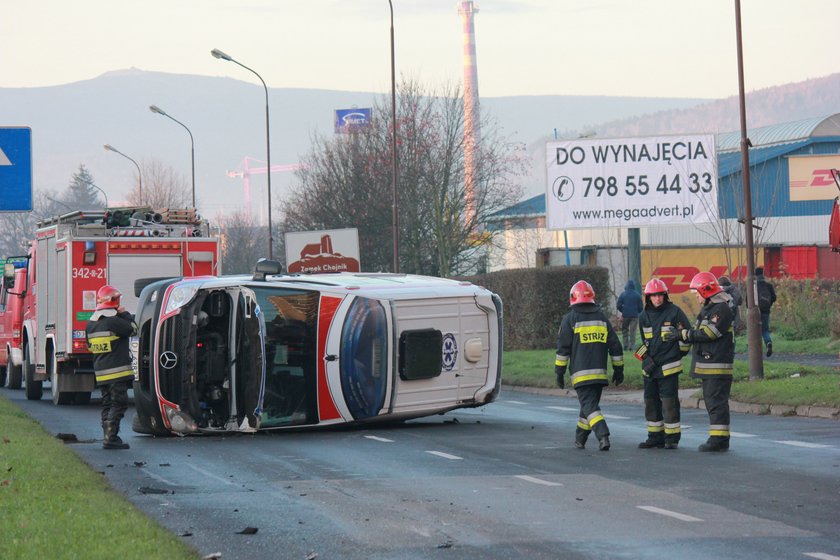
(472, 127)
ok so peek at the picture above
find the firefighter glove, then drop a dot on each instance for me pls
(685, 334)
(668, 334)
(560, 373)
(618, 375)
(648, 365)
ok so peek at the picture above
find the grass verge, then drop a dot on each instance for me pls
(52, 505)
(786, 383)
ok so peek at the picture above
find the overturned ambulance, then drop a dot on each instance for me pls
(276, 351)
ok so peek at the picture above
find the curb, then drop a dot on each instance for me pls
(688, 399)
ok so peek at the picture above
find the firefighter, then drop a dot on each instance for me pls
(714, 351)
(584, 341)
(108, 333)
(661, 353)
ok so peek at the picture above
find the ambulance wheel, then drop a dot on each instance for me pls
(15, 373)
(34, 389)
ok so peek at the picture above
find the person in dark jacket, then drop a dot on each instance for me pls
(714, 352)
(661, 353)
(735, 303)
(765, 297)
(585, 340)
(108, 333)
(629, 304)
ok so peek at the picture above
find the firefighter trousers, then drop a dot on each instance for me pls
(114, 403)
(662, 408)
(591, 419)
(716, 397)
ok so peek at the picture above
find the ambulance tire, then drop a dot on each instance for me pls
(141, 283)
(34, 389)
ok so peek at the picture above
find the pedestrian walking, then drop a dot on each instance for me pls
(661, 353)
(585, 340)
(108, 333)
(735, 303)
(629, 304)
(765, 295)
(714, 352)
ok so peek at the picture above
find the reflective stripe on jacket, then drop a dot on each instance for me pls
(584, 342)
(713, 338)
(108, 335)
(667, 355)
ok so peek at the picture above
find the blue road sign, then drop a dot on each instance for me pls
(15, 169)
(347, 120)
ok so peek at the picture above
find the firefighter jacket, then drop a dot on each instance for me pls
(663, 348)
(713, 338)
(107, 338)
(584, 341)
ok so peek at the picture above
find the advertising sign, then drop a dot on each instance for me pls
(347, 120)
(333, 250)
(631, 182)
(810, 177)
(15, 169)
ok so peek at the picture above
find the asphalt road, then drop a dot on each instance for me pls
(499, 482)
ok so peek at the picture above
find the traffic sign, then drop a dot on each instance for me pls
(15, 169)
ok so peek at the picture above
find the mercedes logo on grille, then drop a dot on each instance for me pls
(168, 360)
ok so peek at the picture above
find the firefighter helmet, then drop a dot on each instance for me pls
(581, 292)
(706, 284)
(656, 286)
(108, 297)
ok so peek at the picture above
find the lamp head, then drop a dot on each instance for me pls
(156, 109)
(219, 54)
(109, 147)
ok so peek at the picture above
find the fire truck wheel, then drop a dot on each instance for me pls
(59, 396)
(34, 389)
(82, 397)
(14, 374)
(2, 376)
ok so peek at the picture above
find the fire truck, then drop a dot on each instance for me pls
(72, 256)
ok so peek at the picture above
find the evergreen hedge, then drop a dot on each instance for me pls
(535, 300)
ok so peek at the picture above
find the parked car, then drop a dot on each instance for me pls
(273, 351)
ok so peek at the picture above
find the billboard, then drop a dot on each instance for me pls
(631, 182)
(348, 120)
(810, 177)
(333, 250)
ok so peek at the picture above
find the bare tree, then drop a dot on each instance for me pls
(346, 182)
(163, 187)
(244, 242)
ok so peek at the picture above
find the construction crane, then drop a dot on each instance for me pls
(246, 173)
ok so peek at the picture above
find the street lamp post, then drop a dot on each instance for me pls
(91, 184)
(224, 56)
(159, 111)
(110, 148)
(395, 224)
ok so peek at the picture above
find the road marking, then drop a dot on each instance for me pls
(514, 402)
(159, 478)
(675, 515)
(566, 408)
(741, 434)
(803, 444)
(211, 475)
(377, 438)
(535, 480)
(445, 455)
(821, 556)
(614, 417)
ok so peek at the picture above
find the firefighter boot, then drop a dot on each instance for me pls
(715, 443)
(111, 439)
(654, 439)
(581, 436)
(604, 443)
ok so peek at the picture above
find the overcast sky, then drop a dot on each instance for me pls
(668, 48)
